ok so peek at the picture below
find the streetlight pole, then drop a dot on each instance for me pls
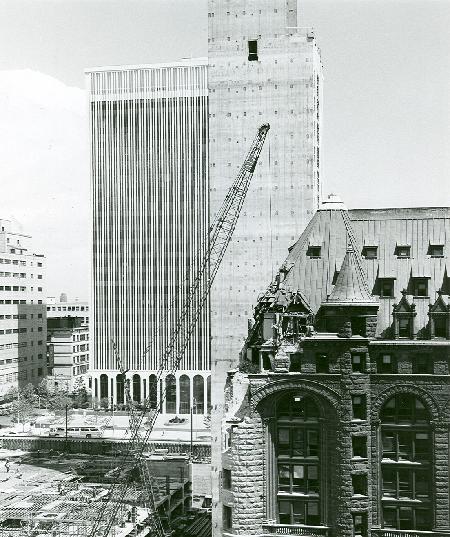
(67, 408)
(192, 435)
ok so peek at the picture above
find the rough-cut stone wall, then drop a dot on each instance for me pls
(250, 453)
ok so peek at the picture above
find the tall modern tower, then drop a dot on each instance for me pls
(262, 68)
(150, 214)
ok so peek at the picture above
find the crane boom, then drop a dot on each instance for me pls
(220, 234)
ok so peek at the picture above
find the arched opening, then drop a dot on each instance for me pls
(185, 394)
(298, 460)
(171, 395)
(153, 391)
(199, 395)
(208, 394)
(136, 388)
(120, 391)
(406, 465)
(103, 386)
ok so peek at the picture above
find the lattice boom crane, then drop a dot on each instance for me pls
(220, 234)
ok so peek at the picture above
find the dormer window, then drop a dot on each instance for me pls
(314, 252)
(387, 287)
(436, 250)
(403, 251)
(440, 325)
(420, 287)
(404, 327)
(370, 252)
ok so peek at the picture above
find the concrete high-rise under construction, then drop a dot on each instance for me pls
(150, 224)
(263, 68)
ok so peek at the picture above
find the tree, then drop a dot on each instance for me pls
(79, 393)
(59, 401)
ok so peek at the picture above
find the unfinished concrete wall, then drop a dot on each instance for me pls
(280, 83)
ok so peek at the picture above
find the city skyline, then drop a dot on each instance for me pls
(383, 90)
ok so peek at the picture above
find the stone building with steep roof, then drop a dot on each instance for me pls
(338, 419)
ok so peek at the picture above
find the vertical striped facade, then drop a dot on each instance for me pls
(150, 210)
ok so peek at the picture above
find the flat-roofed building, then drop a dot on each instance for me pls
(23, 330)
(150, 215)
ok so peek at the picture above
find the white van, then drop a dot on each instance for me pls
(78, 432)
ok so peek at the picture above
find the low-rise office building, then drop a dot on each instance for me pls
(23, 330)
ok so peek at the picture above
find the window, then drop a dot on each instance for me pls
(226, 479)
(403, 251)
(386, 364)
(436, 250)
(359, 484)
(252, 50)
(359, 525)
(422, 364)
(403, 409)
(298, 460)
(386, 288)
(402, 445)
(322, 364)
(420, 287)
(370, 252)
(227, 517)
(359, 446)
(314, 252)
(359, 407)
(358, 363)
(404, 327)
(358, 326)
(440, 325)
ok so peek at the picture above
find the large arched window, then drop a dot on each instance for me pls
(199, 395)
(406, 465)
(136, 388)
(171, 395)
(153, 391)
(298, 460)
(185, 394)
(120, 385)
(103, 386)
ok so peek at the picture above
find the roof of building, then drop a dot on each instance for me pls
(418, 228)
(351, 284)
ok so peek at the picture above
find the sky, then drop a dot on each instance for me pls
(386, 132)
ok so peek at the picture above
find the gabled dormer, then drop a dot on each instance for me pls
(439, 317)
(404, 314)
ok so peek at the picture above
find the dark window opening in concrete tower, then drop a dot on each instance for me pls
(253, 50)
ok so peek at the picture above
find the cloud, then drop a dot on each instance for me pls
(44, 155)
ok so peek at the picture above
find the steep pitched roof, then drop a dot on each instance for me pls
(351, 284)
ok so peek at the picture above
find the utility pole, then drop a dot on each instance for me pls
(67, 409)
(192, 435)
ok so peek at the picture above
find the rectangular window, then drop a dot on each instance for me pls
(226, 479)
(322, 364)
(359, 525)
(386, 364)
(227, 517)
(359, 407)
(386, 288)
(420, 287)
(253, 50)
(436, 250)
(370, 252)
(403, 251)
(358, 363)
(440, 325)
(422, 364)
(359, 484)
(314, 252)
(358, 326)
(359, 446)
(404, 327)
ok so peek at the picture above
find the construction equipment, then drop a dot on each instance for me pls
(220, 234)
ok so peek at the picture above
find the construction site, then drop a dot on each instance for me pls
(57, 494)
